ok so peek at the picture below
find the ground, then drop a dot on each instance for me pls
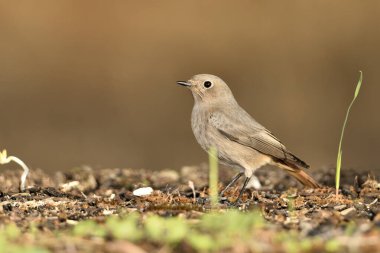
(85, 210)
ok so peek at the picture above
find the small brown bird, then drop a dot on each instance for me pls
(218, 121)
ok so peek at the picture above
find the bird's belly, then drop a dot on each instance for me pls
(233, 153)
(236, 155)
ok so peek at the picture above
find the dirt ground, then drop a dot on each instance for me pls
(49, 210)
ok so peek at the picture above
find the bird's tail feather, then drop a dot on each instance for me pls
(304, 178)
(299, 174)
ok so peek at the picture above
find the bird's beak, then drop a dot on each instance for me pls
(183, 83)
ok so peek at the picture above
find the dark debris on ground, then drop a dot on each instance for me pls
(57, 202)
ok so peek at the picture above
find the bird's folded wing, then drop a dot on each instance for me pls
(246, 131)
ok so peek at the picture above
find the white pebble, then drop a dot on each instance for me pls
(145, 191)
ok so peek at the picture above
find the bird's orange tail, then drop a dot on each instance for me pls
(304, 178)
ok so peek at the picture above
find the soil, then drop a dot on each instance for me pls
(57, 203)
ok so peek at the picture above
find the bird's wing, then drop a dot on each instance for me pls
(244, 130)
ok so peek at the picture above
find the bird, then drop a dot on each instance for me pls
(218, 121)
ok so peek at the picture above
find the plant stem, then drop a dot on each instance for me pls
(213, 177)
(340, 152)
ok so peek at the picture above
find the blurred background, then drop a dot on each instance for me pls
(94, 82)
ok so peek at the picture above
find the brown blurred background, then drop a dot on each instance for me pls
(93, 82)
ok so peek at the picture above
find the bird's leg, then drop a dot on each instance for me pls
(243, 188)
(233, 181)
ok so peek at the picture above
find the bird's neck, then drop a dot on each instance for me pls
(214, 105)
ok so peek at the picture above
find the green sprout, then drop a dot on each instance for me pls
(213, 161)
(339, 158)
(4, 159)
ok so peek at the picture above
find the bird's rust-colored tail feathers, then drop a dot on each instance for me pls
(296, 170)
(303, 178)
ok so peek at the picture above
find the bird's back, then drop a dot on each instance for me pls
(216, 125)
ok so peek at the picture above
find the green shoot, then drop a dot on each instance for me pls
(340, 152)
(213, 177)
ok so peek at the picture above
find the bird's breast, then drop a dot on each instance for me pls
(199, 125)
(205, 133)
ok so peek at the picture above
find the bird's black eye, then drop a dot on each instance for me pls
(207, 84)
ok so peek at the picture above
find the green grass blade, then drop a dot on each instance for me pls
(339, 158)
(338, 165)
(359, 85)
(213, 161)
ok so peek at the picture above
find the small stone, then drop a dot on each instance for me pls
(107, 212)
(69, 186)
(72, 222)
(145, 191)
(348, 213)
(340, 207)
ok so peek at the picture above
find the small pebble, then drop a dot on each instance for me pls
(340, 207)
(348, 213)
(72, 222)
(107, 212)
(145, 191)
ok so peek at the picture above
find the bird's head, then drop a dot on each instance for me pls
(208, 89)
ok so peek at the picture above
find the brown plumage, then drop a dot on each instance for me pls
(217, 120)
